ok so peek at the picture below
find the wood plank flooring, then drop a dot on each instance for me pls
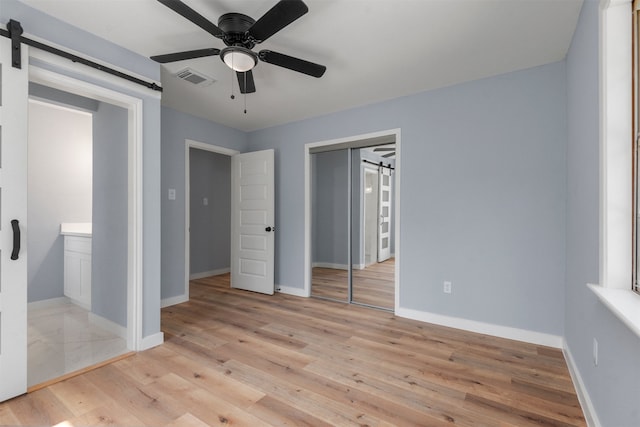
(373, 285)
(239, 358)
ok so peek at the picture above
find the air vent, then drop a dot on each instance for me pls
(195, 77)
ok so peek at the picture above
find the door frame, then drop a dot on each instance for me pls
(134, 107)
(188, 144)
(356, 141)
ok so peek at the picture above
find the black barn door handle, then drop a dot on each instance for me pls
(16, 239)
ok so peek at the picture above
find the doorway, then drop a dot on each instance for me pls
(207, 212)
(16, 294)
(77, 215)
(351, 211)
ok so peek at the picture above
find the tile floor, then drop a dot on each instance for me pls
(63, 340)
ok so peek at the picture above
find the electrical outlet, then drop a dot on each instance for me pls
(447, 287)
(172, 194)
(595, 352)
(205, 201)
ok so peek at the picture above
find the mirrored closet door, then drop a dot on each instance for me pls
(352, 207)
(330, 231)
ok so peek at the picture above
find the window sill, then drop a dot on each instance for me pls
(624, 303)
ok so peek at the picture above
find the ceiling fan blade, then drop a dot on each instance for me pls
(189, 54)
(245, 80)
(384, 149)
(193, 16)
(278, 17)
(295, 64)
(386, 156)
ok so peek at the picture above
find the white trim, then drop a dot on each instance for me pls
(178, 299)
(209, 273)
(586, 404)
(533, 337)
(151, 341)
(189, 143)
(210, 147)
(298, 292)
(623, 303)
(615, 144)
(46, 303)
(382, 137)
(616, 135)
(135, 141)
(108, 325)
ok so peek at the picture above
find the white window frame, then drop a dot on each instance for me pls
(616, 204)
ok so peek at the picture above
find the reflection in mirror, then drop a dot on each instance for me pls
(330, 219)
(373, 226)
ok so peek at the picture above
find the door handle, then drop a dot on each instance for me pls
(16, 239)
(270, 229)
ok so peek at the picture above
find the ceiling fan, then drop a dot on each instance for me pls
(391, 149)
(241, 33)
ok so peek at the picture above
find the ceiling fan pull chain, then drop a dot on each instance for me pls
(245, 92)
(232, 75)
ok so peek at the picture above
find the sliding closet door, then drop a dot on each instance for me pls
(373, 274)
(330, 219)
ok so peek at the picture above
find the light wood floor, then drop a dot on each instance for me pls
(373, 285)
(240, 358)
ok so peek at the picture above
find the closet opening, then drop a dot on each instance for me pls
(353, 221)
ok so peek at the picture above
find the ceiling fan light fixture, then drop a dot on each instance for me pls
(239, 58)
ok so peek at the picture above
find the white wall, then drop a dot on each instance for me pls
(60, 181)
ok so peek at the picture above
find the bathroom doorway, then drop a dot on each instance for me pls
(78, 233)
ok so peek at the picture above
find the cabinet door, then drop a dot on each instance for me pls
(72, 275)
(77, 277)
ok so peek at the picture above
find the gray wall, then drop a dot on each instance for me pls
(62, 98)
(330, 207)
(59, 191)
(110, 216)
(176, 127)
(48, 28)
(210, 237)
(483, 195)
(614, 385)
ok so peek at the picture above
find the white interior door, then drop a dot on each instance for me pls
(13, 207)
(252, 221)
(384, 210)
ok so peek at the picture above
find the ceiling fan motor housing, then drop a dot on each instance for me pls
(235, 27)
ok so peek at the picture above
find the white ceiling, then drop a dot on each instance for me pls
(373, 49)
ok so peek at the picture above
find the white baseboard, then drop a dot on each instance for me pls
(583, 396)
(298, 292)
(151, 341)
(196, 276)
(178, 299)
(331, 265)
(532, 337)
(46, 303)
(108, 325)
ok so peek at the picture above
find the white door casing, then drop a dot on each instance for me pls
(384, 210)
(252, 221)
(13, 206)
